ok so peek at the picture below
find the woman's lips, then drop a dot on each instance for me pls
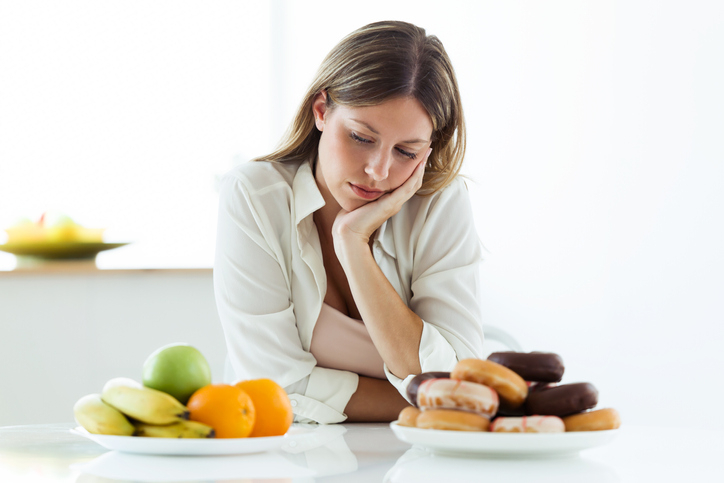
(367, 194)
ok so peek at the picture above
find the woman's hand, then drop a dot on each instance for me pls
(375, 400)
(357, 226)
(394, 328)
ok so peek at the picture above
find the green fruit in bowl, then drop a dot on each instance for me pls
(177, 369)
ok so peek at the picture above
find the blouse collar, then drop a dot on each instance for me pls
(307, 197)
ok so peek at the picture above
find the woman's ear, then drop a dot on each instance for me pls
(319, 109)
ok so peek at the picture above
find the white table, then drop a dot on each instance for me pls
(361, 453)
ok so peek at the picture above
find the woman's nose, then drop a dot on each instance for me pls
(378, 168)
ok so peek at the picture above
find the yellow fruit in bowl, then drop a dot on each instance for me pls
(59, 228)
(52, 227)
(89, 235)
(25, 231)
(61, 233)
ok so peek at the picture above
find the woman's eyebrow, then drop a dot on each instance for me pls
(413, 141)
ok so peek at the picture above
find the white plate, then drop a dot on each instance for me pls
(502, 444)
(191, 446)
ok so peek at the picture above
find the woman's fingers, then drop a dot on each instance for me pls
(413, 183)
(364, 220)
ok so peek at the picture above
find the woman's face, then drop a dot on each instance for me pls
(365, 152)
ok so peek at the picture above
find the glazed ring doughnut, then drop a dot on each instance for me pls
(452, 420)
(408, 417)
(528, 424)
(456, 394)
(510, 386)
(598, 420)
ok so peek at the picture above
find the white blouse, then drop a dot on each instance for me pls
(270, 282)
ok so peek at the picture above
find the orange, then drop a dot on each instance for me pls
(227, 409)
(274, 413)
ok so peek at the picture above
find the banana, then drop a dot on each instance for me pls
(97, 417)
(181, 429)
(143, 403)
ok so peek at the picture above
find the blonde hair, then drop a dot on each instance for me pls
(376, 63)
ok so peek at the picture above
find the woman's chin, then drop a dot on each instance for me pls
(351, 205)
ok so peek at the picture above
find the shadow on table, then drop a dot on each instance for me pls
(420, 465)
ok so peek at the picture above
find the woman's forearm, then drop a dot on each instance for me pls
(393, 327)
(376, 400)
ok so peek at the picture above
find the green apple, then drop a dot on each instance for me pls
(177, 369)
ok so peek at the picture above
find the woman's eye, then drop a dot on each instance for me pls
(406, 154)
(359, 139)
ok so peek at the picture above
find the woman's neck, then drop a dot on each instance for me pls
(325, 216)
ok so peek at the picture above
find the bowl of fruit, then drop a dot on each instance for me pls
(177, 410)
(55, 236)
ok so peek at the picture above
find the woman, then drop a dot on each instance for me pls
(347, 260)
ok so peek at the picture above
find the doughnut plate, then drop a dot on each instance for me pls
(502, 444)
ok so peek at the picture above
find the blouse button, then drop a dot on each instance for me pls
(294, 403)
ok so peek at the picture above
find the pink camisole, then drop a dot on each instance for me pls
(341, 342)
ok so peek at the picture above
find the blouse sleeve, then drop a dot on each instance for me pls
(253, 298)
(445, 284)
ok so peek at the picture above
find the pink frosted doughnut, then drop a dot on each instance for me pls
(528, 424)
(456, 394)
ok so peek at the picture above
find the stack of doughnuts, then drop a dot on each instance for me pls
(444, 402)
(517, 391)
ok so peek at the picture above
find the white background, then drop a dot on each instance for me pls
(594, 151)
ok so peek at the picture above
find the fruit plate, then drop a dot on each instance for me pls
(59, 250)
(191, 446)
(483, 443)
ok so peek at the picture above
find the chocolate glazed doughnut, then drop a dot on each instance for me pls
(532, 366)
(505, 410)
(419, 379)
(562, 400)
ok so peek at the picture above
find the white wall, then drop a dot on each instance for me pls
(594, 148)
(601, 197)
(65, 335)
(122, 114)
